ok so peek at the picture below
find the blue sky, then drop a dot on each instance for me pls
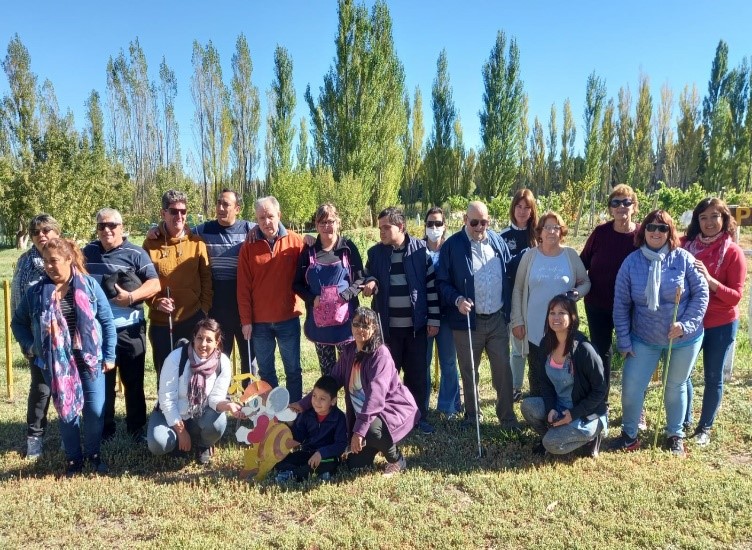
(560, 44)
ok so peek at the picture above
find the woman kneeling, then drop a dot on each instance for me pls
(572, 409)
(192, 400)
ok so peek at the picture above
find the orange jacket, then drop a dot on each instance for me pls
(265, 276)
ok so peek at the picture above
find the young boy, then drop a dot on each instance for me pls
(322, 432)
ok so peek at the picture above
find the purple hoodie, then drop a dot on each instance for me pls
(385, 396)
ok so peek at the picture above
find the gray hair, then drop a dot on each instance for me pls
(45, 220)
(173, 196)
(109, 213)
(262, 200)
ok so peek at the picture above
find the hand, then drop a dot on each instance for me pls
(432, 331)
(184, 438)
(625, 354)
(167, 305)
(251, 237)
(676, 331)
(369, 289)
(247, 330)
(316, 301)
(309, 240)
(107, 366)
(153, 233)
(122, 298)
(231, 407)
(553, 414)
(565, 419)
(295, 407)
(315, 460)
(465, 306)
(519, 332)
(702, 269)
(356, 443)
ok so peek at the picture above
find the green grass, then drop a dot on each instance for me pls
(447, 498)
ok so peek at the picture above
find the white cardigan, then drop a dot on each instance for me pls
(173, 393)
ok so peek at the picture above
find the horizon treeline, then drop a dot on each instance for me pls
(363, 144)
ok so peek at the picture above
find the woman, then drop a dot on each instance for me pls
(380, 410)
(721, 262)
(519, 237)
(644, 300)
(602, 256)
(29, 271)
(64, 325)
(448, 401)
(544, 271)
(572, 410)
(193, 396)
(328, 279)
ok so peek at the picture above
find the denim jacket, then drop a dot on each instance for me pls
(28, 331)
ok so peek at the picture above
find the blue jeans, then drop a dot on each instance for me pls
(564, 439)
(449, 386)
(93, 416)
(638, 369)
(717, 346)
(205, 431)
(265, 337)
(517, 361)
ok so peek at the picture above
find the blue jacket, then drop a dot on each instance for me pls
(28, 331)
(328, 437)
(631, 314)
(455, 276)
(416, 262)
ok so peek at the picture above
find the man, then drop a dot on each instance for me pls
(184, 275)
(109, 259)
(472, 278)
(400, 275)
(268, 308)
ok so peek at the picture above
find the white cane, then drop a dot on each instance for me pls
(475, 382)
(251, 365)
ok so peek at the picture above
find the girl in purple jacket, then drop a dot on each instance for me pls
(380, 410)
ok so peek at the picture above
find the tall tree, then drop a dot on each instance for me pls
(438, 163)
(301, 154)
(736, 91)
(595, 96)
(524, 176)
(246, 117)
(664, 139)
(608, 138)
(20, 106)
(689, 138)
(552, 143)
(718, 170)
(280, 126)
(170, 135)
(642, 139)
(499, 118)
(568, 137)
(624, 127)
(413, 144)
(538, 166)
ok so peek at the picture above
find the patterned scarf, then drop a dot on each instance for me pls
(57, 347)
(653, 287)
(711, 250)
(200, 371)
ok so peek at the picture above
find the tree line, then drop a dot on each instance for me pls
(363, 144)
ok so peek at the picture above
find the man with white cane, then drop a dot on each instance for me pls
(472, 277)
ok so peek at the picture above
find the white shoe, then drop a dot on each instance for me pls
(33, 447)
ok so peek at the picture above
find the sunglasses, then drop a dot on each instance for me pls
(616, 203)
(101, 226)
(438, 223)
(662, 227)
(45, 230)
(483, 223)
(176, 211)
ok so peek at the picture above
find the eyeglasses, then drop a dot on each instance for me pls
(616, 203)
(439, 223)
(662, 227)
(326, 222)
(176, 211)
(224, 204)
(483, 223)
(360, 325)
(552, 228)
(45, 230)
(101, 226)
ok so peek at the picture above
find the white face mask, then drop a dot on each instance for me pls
(434, 233)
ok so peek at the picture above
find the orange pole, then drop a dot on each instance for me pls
(8, 353)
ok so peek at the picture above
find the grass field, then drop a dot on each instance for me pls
(447, 498)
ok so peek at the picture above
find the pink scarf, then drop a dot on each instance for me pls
(200, 371)
(711, 250)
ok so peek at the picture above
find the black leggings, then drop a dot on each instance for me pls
(601, 327)
(378, 439)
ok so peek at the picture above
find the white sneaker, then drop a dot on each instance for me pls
(33, 447)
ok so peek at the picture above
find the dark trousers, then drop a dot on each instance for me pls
(378, 439)
(38, 403)
(536, 369)
(408, 349)
(601, 327)
(159, 337)
(225, 311)
(297, 463)
(130, 357)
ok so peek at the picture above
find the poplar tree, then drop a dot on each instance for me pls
(608, 138)
(280, 127)
(623, 149)
(642, 139)
(500, 118)
(664, 140)
(170, 135)
(568, 137)
(552, 142)
(595, 95)
(539, 168)
(413, 145)
(689, 138)
(524, 173)
(246, 118)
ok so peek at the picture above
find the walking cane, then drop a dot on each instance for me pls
(172, 344)
(666, 364)
(252, 367)
(475, 383)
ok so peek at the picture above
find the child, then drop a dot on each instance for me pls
(322, 432)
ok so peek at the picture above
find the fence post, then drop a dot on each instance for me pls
(8, 354)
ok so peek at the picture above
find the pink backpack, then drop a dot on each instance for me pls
(332, 310)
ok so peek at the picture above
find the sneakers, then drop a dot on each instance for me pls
(33, 447)
(204, 455)
(425, 427)
(627, 444)
(642, 425)
(394, 468)
(73, 468)
(97, 464)
(676, 446)
(517, 395)
(702, 437)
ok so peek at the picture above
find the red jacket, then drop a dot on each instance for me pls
(265, 276)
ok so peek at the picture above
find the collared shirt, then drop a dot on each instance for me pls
(487, 271)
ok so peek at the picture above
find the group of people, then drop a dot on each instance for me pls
(79, 315)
